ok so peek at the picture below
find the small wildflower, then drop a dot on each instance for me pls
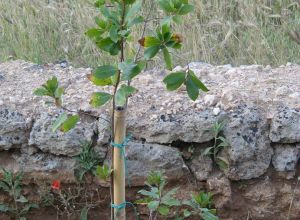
(55, 185)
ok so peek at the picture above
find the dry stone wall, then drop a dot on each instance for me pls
(260, 105)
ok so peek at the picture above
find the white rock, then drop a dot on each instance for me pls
(216, 111)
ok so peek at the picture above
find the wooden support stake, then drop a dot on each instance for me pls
(119, 164)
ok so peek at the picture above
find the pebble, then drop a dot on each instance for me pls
(216, 111)
(210, 100)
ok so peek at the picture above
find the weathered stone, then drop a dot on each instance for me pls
(201, 166)
(250, 152)
(285, 157)
(187, 127)
(13, 129)
(285, 126)
(220, 187)
(59, 143)
(144, 158)
(40, 167)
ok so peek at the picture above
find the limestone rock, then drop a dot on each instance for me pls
(285, 126)
(59, 143)
(13, 129)
(201, 166)
(42, 167)
(187, 127)
(285, 157)
(250, 152)
(144, 158)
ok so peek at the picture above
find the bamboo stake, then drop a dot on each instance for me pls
(119, 165)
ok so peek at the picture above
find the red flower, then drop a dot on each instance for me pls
(55, 185)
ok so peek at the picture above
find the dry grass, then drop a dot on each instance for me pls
(219, 32)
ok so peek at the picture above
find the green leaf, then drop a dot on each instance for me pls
(52, 84)
(84, 213)
(166, 6)
(123, 93)
(152, 194)
(113, 33)
(70, 123)
(153, 205)
(4, 187)
(174, 80)
(4, 208)
(134, 9)
(207, 215)
(100, 98)
(151, 52)
(59, 92)
(207, 151)
(135, 21)
(103, 172)
(94, 33)
(130, 69)
(109, 46)
(197, 82)
(22, 199)
(104, 72)
(163, 210)
(186, 213)
(177, 19)
(193, 84)
(151, 42)
(59, 121)
(168, 59)
(185, 9)
(41, 92)
(100, 82)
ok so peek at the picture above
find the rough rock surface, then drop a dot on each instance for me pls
(59, 143)
(201, 166)
(285, 126)
(141, 159)
(260, 106)
(14, 129)
(250, 152)
(285, 157)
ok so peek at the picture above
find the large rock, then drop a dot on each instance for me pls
(40, 167)
(167, 128)
(201, 166)
(14, 129)
(59, 143)
(285, 157)
(285, 126)
(144, 158)
(250, 152)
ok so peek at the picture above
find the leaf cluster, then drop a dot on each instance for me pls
(87, 160)
(219, 143)
(12, 184)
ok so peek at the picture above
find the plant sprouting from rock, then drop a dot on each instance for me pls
(219, 143)
(87, 160)
(20, 206)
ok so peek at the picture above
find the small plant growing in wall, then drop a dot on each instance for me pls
(111, 35)
(219, 143)
(19, 205)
